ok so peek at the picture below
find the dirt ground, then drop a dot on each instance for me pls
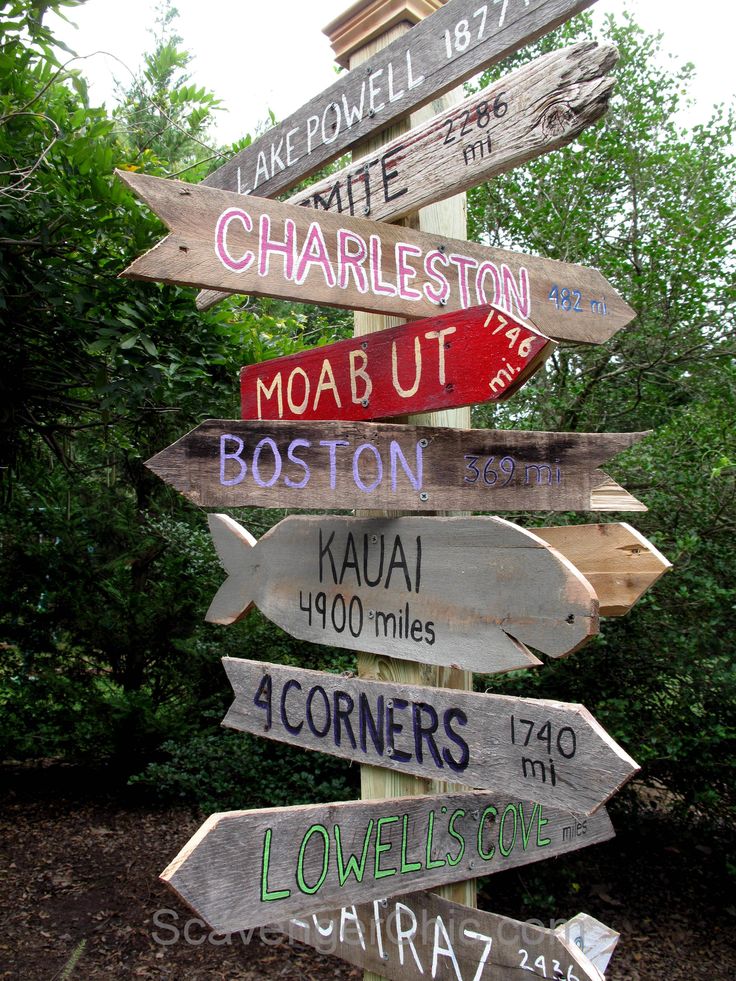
(79, 878)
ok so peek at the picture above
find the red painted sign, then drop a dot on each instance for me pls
(462, 358)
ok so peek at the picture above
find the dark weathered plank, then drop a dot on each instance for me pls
(222, 240)
(620, 564)
(462, 592)
(550, 752)
(463, 358)
(538, 108)
(438, 54)
(421, 936)
(244, 869)
(341, 465)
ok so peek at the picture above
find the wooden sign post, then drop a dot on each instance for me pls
(552, 752)
(246, 869)
(466, 358)
(467, 592)
(221, 240)
(422, 936)
(342, 465)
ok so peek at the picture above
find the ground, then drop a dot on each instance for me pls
(80, 865)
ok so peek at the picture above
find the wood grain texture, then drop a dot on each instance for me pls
(596, 940)
(620, 564)
(558, 755)
(464, 358)
(538, 108)
(244, 869)
(469, 593)
(222, 240)
(420, 936)
(403, 76)
(343, 465)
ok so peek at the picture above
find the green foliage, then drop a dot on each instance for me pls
(221, 770)
(651, 205)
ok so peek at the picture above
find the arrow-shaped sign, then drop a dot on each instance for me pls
(551, 752)
(538, 108)
(224, 241)
(421, 936)
(454, 43)
(618, 562)
(342, 465)
(470, 592)
(464, 358)
(244, 869)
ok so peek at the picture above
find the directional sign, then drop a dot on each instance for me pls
(596, 940)
(443, 50)
(422, 936)
(467, 592)
(550, 752)
(464, 358)
(222, 240)
(244, 869)
(620, 564)
(342, 465)
(538, 108)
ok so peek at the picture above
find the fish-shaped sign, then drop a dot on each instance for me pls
(550, 752)
(466, 592)
(342, 465)
(463, 358)
(423, 936)
(244, 869)
(222, 240)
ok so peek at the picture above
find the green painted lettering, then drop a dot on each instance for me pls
(301, 881)
(352, 867)
(266, 895)
(381, 847)
(541, 821)
(509, 809)
(430, 862)
(526, 829)
(406, 866)
(486, 855)
(458, 836)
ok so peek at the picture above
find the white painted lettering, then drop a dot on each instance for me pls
(439, 336)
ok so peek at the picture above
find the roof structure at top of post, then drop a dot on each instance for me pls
(367, 19)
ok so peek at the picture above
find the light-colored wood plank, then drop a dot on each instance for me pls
(618, 562)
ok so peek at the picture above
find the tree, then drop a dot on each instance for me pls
(651, 204)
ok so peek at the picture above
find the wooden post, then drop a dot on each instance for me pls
(365, 28)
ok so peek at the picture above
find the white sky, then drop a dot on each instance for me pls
(256, 55)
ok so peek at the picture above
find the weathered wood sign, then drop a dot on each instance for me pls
(245, 869)
(550, 752)
(443, 50)
(596, 940)
(620, 564)
(221, 240)
(464, 358)
(538, 108)
(470, 592)
(422, 936)
(341, 465)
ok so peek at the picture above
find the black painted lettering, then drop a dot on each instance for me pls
(323, 551)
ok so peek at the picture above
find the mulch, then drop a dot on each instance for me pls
(80, 871)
